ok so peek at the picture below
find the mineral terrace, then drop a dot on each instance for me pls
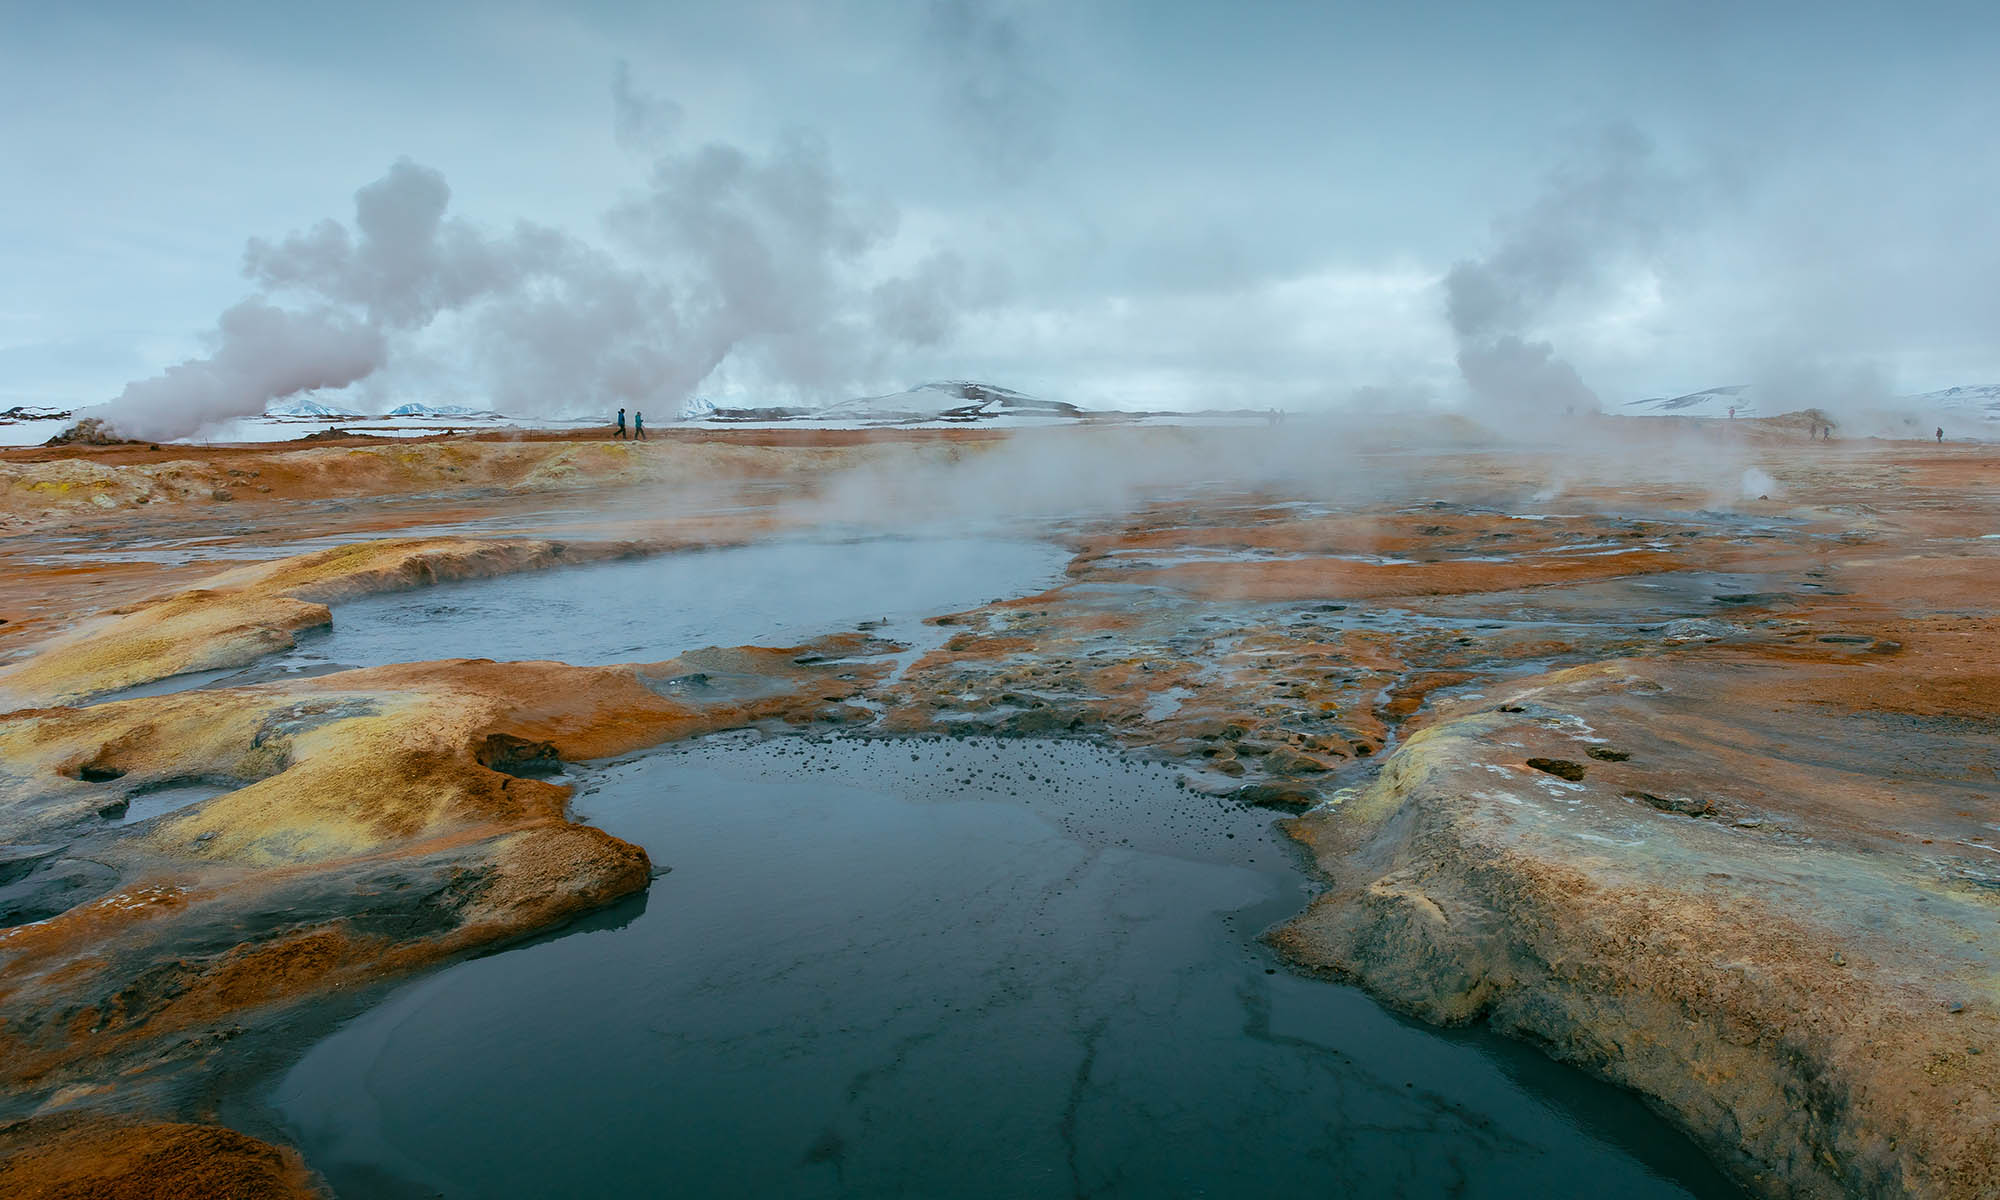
(1671, 750)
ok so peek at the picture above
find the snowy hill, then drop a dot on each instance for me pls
(1981, 400)
(1734, 400)
(951, 400)
(1968, 411)
(947, 402)
(308, 407)
(31, 424)
(414, 409)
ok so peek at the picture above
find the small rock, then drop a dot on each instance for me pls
(1838, 959)
(1273, 795)
(1605, 754)
(1687, 806)
(221, 494)
(1561, 768)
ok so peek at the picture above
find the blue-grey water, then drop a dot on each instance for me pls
(646, 609)
(940, 968)
(653, 608)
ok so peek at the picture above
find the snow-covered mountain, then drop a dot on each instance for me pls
(1980, 399)
(1735, 400)
(952, 400)
(308, 407)
(415, 409)
(946, 402)
(1971, 411)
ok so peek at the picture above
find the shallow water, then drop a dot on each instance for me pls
(648, 609)
(147, 803)
(654, 608)
(947, 967)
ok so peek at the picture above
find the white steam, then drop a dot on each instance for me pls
(758, 265)
(1612, 203)
(261, 352)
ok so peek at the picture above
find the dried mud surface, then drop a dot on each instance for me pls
(1698, 795)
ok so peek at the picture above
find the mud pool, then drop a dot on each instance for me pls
(930, 967)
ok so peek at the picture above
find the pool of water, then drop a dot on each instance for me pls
(651, 609)
(946, 967)
(647, 609)
(147, 803)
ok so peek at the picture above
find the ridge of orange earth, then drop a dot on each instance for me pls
(45, 485)
(58, 1159)
(240, 615)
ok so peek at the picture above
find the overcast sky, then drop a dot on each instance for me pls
(1115, 203)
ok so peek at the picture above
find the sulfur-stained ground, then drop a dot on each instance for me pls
(1697, 789)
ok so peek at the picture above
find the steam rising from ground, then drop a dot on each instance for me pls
(1346, 461)
(1605, 208)
(761, 262)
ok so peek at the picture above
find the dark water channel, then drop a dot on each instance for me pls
(939, 968)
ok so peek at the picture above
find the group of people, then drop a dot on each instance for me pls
(638, 425)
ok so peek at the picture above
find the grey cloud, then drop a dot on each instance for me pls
(922, 308)
(640, 120)
(993, 85)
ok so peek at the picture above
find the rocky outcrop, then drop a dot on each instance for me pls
(1813, 997)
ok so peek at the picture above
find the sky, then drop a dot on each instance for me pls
(1117, 203)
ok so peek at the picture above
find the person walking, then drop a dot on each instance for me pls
(639, 425)
(1940, 435)
(621, 424)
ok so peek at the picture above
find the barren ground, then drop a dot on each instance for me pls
(1694, 790)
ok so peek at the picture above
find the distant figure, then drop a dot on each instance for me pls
(1940, 435)
(639, 425)
(621, 424)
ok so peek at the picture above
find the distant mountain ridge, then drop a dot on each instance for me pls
(951, 401)
(1743, 401)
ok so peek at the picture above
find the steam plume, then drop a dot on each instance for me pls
(757, 264)
(261, 352)
(1611, 203)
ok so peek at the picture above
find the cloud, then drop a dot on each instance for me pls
(991, 80)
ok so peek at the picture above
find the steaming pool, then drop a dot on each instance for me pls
(962, 967)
